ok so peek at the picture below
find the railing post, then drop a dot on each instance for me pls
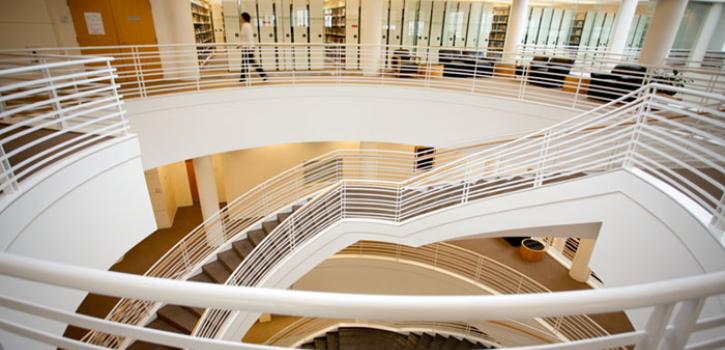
(9, 174)
(682, 325)
(121, 111)
(429, 67)
(53, 94)
(655, 328)
(638, 125)
(541, 162)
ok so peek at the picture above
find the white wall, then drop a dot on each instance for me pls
(36, 23)
(88, 213)
(185, 126)
(632, 211)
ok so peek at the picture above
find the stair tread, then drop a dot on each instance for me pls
(243, 247)
(321, 343)
(216, 271)
(450, 344)
(179, 317)
(268, 226)
(423, 341)
(256, 236)
(333, 341)
(202, 277)
(464, 345)
(281, 217)
(229, 259)
(436, 343)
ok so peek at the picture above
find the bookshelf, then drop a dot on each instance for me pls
(203, 28)
(335, 31)
(577, 28)
(497, 36)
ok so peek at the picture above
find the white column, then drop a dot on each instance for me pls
(208, 197)
(622, 26)
(662, 31)
(516, 28)
(371, 14)
(580, 265)
(708, 30)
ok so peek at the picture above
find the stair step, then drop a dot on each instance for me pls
(202, 277)
(142, 345)
(333, 341)
(424, 341)
(243, 247)
(256, 236)
(437, 343)
(179, 317)
(281, 217)
(216, 271)
(411, 342)
(162, 325)
(296, 207)
(229, 259)
(269, 226)
(450, 344)
(321, 343)
(464, 345)
(308, 346)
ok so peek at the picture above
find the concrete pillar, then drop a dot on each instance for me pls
(580, 266)
(208, 197)
(662, 31)
(371, 14)
(518, 20)
(706, 33)
(622, 26)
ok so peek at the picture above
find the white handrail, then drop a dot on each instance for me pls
(554, 154)
(363, 306)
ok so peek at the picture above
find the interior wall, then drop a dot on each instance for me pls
(247, 168)
(180, 182)
(36, 23)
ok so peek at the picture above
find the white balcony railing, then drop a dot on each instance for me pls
(677, 304)
(575, 79)
(51, 107)
(678, 142)
(673, 131)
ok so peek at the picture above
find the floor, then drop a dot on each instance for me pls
(138, 260)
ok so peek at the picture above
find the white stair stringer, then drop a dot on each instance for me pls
(649, 235)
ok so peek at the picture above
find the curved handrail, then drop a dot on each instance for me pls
(306, 329)
(61, 105)
(480, 269)
(623, 141)
(689, 292)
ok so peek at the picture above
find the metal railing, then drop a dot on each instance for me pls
(306, 329)
(579, 79)
(51, 107)
(676, 142)
(496, 277)
(675, 316)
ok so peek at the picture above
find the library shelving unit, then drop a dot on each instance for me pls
(497, 37)
(335, 31)
(577, 28)
(203, 28)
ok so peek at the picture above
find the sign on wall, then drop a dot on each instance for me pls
(94, 23)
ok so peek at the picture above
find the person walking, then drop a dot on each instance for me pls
(247, 39)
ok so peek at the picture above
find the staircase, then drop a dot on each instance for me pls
(358, 338)
(183, 319)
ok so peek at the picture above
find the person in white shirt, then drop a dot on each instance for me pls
(247, 39)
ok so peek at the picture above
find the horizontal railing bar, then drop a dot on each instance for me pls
(437, 308)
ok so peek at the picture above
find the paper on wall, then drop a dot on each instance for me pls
(94, 23)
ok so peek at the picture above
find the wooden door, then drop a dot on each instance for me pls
(115, 23)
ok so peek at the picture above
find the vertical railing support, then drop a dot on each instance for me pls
(656, 327)
(639, 121)
(8, 178)
(682, 325)
(53, 94)
(119, 105)
(541, 162)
